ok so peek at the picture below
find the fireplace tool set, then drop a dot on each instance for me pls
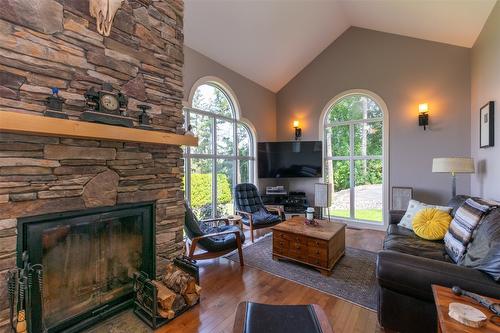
(21, 283)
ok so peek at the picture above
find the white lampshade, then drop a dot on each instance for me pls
(453, 165)
(322, 195)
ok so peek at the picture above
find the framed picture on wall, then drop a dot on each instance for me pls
(487, 125)
(401, 197)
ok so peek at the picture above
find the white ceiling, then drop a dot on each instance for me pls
(271, 41)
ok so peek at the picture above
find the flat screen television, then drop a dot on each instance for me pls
(293, 159)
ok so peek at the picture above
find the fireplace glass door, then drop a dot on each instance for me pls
(88, 262)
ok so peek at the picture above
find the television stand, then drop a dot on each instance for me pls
(293, 203)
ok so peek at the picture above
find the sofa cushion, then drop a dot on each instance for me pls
(431, 223)
(262, 218)
(456, 202)
(402, 240)
(462, 227)
(413, 208)
(483, 252)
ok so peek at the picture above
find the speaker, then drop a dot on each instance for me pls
(322, 195)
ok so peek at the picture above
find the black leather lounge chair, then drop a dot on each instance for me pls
(253, 212)
(216, 240)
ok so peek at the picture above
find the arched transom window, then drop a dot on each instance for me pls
(224, 156)
(353, 140)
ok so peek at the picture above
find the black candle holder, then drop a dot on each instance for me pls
(55, 104)
(144, 118)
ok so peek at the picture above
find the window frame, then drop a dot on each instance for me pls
(235, 158)
(325, 124)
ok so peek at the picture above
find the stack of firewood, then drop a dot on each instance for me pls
(176, 290)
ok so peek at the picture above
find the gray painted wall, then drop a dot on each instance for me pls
(258, 105)
(485, 86)
(404, 72)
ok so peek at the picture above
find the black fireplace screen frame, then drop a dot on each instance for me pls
(147, 210)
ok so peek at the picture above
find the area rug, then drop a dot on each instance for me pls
(352, 278)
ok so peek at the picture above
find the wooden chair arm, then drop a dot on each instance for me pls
(275, 209)
(226, 221)
(248, 215)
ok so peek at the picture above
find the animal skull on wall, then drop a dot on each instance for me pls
(104, 11)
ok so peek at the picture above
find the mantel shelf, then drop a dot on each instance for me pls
(16, 122)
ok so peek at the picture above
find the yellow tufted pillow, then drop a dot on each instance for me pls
(431, 223)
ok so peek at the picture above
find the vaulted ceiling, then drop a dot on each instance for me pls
(271, 41)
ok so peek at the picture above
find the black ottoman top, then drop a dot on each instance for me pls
(266, 318)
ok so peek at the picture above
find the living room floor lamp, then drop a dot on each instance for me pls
(453, 165)
(323, 197)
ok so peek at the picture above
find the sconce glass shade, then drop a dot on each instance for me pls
(422, 108)
(423, 116)
(453, 165)
(296, 124)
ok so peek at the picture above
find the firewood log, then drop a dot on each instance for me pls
(191, 298)
(166, 314)
(179, 303)
(190, 286)
(165, 296)
(197, 289)
(178, 280)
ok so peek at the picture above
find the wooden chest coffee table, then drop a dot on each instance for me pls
(318, 246)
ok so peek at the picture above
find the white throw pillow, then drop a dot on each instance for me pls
(414, 207)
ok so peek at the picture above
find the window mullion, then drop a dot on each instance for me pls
(352, 180)
(236, 154)
(214, 169)
(187, 166)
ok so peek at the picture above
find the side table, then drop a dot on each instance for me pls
(235, 220)
(443, 297)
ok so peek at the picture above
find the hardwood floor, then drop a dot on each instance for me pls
(225, 284)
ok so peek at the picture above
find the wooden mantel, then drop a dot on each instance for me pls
(16, 122)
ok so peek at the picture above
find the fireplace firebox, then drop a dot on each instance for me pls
(88, 258)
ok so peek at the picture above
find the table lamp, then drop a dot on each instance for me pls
(453, 165)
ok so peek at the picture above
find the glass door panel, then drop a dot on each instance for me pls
(368, 139)
(244, 171)
(337, 141)
(201, 187)
(203, 127)
(368, 190)
(225, 137)
(225, 183)
(339, 176)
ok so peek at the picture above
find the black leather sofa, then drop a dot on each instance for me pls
(409, 265)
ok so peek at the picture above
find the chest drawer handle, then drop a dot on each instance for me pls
(281, 243)
(317, 252)
(317, 243)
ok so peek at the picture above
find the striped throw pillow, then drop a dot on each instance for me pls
(462, 226)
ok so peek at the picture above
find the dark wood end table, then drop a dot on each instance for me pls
(443, 297)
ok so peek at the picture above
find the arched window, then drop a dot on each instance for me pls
(354, 136)
(225, 154)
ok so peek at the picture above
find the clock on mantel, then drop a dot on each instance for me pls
(106, 106)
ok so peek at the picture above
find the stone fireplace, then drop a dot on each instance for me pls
(55, 44)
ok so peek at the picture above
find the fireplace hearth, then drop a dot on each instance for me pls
(89, 258)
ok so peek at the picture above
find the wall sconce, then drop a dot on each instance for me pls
(298, 130)
(423, 115)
